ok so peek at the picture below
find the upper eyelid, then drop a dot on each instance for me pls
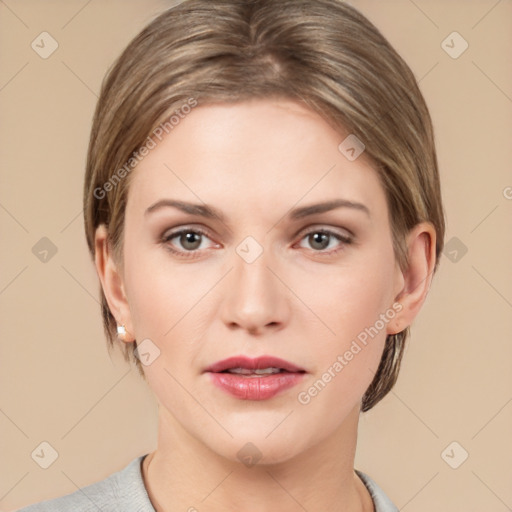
(173, 232)
(205, 230)
(323, 227)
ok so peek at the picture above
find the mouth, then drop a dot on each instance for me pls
(255, 379)
(249, 367)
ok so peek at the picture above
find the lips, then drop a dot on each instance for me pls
(261, 378)
(259, 363)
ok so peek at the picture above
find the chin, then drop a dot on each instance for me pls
(252, 452)
(262, 446)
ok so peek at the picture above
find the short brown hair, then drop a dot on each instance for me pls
(323, 53)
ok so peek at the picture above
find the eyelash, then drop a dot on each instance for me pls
(166, 238)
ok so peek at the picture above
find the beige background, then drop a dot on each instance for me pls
(58, 383)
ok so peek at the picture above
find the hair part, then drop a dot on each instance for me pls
(227, 51)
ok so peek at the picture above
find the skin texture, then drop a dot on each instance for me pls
(301, 301)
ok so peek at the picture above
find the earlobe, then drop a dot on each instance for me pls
(416, 279)
(123, 334)
(112, 283)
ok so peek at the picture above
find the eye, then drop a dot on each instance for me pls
(189, 239)
(320, 239)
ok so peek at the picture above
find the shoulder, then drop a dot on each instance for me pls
(380, 500)
(123, 491)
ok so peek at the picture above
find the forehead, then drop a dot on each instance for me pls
(254, 154)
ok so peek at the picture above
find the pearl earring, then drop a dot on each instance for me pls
(121, 330)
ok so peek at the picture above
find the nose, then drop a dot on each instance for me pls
(255, 299)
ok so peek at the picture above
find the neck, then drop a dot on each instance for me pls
(184, 474)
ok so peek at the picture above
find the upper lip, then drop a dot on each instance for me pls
(253, 363)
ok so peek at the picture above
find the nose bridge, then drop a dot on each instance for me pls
(251, 270)
(253, 296)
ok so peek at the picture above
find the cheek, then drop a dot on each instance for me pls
(159, 293)
(354, 307)
(170, 304)
(154, 302)
(346, 300)
(346, 362)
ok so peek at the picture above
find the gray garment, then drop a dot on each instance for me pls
(124, 491)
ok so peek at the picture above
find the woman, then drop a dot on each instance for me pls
(262, 203)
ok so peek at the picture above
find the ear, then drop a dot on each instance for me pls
(414, 282)
(112, 282)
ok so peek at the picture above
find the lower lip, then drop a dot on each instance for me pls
(256, 388)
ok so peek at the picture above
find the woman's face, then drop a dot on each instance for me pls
(268, 279)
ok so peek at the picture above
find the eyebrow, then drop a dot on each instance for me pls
(295, 214)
